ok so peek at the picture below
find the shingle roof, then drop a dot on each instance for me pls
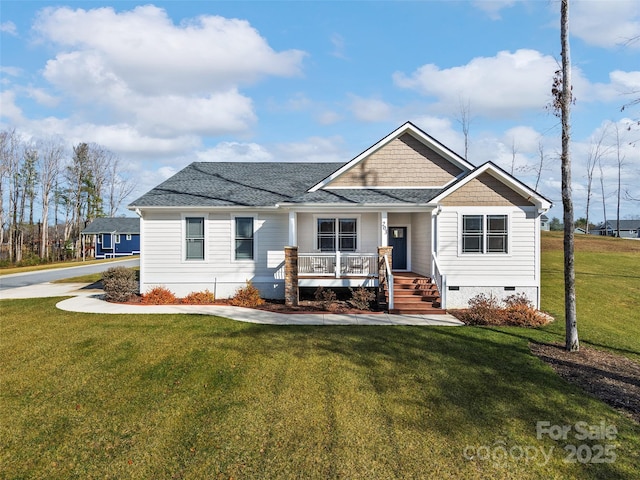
(624, 225)
(113, 225)
(371, 196)
(219, 184)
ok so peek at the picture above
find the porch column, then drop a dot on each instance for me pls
(384, 229)
(293, 229)
(291, 276)
(382, 251)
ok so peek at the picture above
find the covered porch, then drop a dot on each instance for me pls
(335, 249)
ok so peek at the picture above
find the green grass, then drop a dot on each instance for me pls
(189, 396)
(607, 292)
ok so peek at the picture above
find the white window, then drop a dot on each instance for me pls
(117, 237)
(244, 248)
(128, 236)
(337, 234)
(194, 228)
(485, 234)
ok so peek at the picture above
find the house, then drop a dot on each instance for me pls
(114, 236)
(628, 229)
(545, 225)
(407, 216)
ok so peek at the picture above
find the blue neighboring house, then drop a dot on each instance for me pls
(114, 236)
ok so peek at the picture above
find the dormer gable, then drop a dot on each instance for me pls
(406, 158)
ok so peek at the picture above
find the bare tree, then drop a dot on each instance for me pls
(51, 154)
(596, 151)
(620, 163)
(604, 197)
(119, 185)
(13, 156)
(464, 119)
(564, 96)
(8, 150)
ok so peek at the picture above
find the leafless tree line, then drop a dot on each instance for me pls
(49, 192)
(606, 149)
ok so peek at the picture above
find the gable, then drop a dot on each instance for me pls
(403, 162)
(485, 191)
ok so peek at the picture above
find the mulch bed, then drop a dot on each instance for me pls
(612, 378)
(307, 306)
(275, 306)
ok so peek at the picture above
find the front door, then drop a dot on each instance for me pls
(398, 240)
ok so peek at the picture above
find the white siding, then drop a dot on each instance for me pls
(489, 273)
(164, 263)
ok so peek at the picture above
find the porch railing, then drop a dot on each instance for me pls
(389, 275)
(338, 264)
(440, 278)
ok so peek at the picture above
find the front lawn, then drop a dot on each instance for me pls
(180, 396)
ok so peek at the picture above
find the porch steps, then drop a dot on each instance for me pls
(415, 294)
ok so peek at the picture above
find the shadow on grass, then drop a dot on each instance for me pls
(544, 336)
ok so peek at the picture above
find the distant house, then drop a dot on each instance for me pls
(628, 229)
(114, 236)
(544, 223)
(407, 216)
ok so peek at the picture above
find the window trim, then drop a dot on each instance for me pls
(116, 237)
(485, 235)
(183, 254)
(336, 218)
(254, 256)
(128, 236)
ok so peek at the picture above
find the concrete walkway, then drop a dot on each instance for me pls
(87, 300)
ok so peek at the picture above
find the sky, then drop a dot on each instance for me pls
(164, 84)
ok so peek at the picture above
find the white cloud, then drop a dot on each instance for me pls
(369, 109)
(338, 46)
(314, 149)
(493, 86)
(524, 138)
(156, 79)
(43, 97)
(148, 52)
(328, 117)
(9, 28)
(235, 152)
(442, 130)
(606, 24)
(11, 71)
(493, 7)
(9, 110)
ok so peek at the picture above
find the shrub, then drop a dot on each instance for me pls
(326, 298)
(119, 284)
(361, 298)
(520, 312)
(159, 296)
(200, 298)
(483, 310)
(248, 296)
(517, 311)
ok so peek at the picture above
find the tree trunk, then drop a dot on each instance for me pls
(571, 322)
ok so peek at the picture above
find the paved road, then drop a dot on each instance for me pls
(42, 276)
